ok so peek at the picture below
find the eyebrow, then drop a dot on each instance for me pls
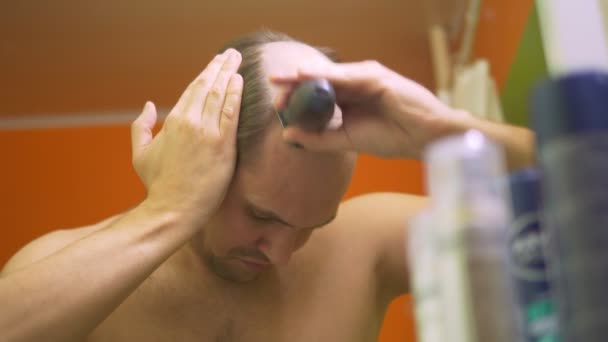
(272, 215)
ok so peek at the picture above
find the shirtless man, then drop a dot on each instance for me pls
(210, 254)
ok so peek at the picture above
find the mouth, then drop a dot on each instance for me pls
(255, 265)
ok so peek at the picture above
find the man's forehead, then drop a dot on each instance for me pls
(295, 183)
(285, 57)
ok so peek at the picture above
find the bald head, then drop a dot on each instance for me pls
(265, 53)
(265, 159)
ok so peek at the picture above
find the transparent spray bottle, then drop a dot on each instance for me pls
(468, 186)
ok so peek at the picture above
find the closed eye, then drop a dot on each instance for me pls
(264, 219)
(260, 217)
(265, 216)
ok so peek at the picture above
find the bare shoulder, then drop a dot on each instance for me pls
(377, 208)
(380, 222)
(370, 220)
(47, 245)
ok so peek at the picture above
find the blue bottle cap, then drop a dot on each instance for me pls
(572, 104)
(525, 191)
(585, 101)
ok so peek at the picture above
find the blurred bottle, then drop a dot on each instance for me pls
(422, 260)
(536, 308)
(571, 121)
(471, 207)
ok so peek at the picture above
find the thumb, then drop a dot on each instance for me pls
(327, 140)
(141, 128)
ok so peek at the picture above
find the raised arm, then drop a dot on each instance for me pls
(60, 287)
(388, 115)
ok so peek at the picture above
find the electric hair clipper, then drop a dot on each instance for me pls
(310, 106)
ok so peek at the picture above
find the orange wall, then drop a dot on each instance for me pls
(61, 178)
(65, 57)
(58, 178)
(501, 25)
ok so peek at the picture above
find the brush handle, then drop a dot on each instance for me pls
(310, 106)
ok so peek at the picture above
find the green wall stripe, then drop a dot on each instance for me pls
(527, 69)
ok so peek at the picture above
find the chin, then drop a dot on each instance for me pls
(233, 271)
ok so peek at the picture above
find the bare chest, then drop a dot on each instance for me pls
(325, 322)
(316, 304)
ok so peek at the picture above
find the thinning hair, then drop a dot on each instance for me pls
(257, 111)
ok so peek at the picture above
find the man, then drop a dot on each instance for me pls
(210, 254)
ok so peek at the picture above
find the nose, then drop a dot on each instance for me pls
(279, 245)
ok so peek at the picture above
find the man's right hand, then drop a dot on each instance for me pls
(388, 115)
(383, 113)
(187, 166)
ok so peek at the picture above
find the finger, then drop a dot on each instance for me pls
(294, 75)
(309, 71)
(351, 81)
(343, 74)
(281, 99)
(217, 93)
(141, 128)
(194, 94)
(327, 140)
(229, 117)
(336, 120)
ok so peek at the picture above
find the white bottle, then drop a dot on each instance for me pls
(468, 188)
(422, 261)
